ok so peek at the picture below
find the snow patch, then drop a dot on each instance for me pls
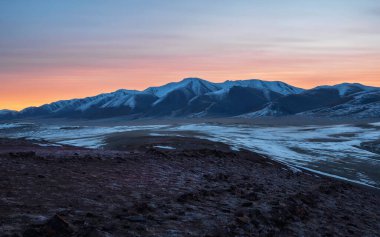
(165, 147)
(81, 136)
(13, 125)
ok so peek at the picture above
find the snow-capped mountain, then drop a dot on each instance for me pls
(195, 97)
(198, 97)
(196, 85)
(199, 86)
(175, 96)
(104, 105)
(343, 100)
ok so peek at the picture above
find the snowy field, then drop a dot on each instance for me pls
(81, 136)
(332, 150)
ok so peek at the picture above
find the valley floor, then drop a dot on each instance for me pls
(202, 188)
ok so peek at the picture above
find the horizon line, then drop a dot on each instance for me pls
(139, 90)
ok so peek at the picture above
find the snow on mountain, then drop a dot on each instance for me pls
(198, 97)
(275, 86)
(219, 94)
(233, 101)
(118, 99)
(190, 89)
(371, 110)
(271, 110)
(354, 100)
(200, 86)
(349, 88)
(365, 104)
(196, 85)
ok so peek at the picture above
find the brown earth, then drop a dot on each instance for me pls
(195, 190)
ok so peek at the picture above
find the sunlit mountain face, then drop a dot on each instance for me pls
(51, 51)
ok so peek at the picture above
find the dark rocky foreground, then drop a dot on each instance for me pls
(65, 191)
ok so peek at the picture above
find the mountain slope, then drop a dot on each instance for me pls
(230, 102)
(328, 101)
(349, 88)
(5, 113)
(365, 104)
(175, 96)
(197, 97)
(275, 86)
(121, 102)
(196, 85)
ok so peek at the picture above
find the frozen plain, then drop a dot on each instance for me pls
(333, 150)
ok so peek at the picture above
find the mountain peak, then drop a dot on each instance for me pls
(197, 85)
(192, 79)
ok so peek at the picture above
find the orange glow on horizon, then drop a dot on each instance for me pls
(44, 89)
(34, 87)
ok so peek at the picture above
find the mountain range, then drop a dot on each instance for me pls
(194, 97)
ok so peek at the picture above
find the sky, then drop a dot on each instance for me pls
(63, 49)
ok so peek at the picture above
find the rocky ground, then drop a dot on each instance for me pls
(198, 190)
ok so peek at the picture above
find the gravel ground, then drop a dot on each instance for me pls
(198, 190)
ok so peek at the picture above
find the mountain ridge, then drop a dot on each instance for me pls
(195, 97)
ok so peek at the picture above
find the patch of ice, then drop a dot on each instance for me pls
(153, 134)
(93, 142)
(375, 124)
(165, 147)
(85, 136)
(362, 182)
(365, 179)
(48, 144)
(10, 125)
